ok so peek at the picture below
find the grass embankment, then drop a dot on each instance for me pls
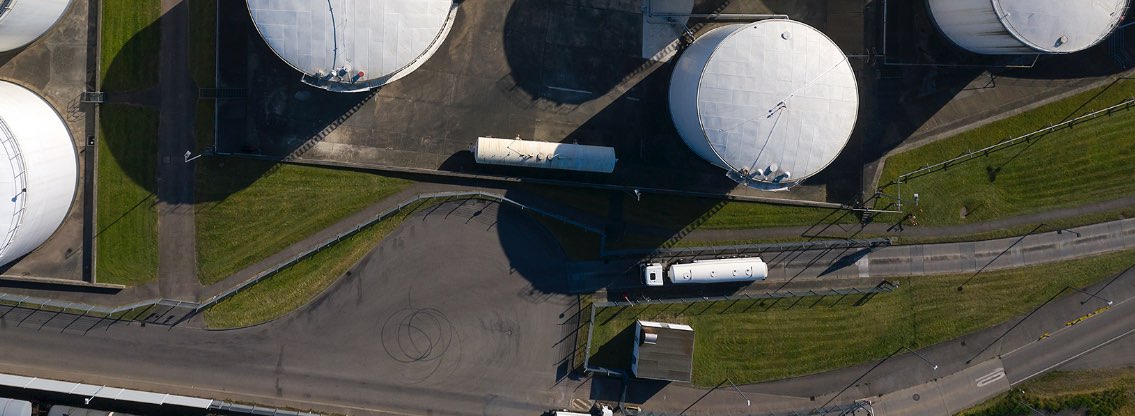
(662, 220)
(298, 284)
(1073, 166)
(127, 232)
(247, 209)
(1098, 392)
(752, 341)
(127, 221)
(672, 212)
(130, 41)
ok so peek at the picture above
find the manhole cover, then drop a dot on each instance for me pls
(916, 397)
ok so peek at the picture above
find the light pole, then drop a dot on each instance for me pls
(935, 366)
(189, 154)
(747, 401)
(88, 400)
(1022, 402)
(1061, 230)
(824, 406)
(1089, 294)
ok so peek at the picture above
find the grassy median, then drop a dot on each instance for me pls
(127, 232)
(248, 210)
(130, 42)
(1086, 163)
(298, 284)
(753, 341)
(673, 212)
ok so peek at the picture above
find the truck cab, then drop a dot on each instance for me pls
(652, 274)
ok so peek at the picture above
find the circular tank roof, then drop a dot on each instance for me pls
(38, 174)
(23, 22)
(1060, 25)
(776, 101)
(353, 45)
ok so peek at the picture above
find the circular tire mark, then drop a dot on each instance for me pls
(417, 335)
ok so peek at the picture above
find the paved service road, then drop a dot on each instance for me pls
(409, 330)
(413, 330)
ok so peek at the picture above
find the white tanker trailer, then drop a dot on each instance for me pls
(743, 269)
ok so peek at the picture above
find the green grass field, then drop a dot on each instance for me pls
(203, 42)
(130, 41)
(1098, 392)
(1089, 162)
(755, 341)
(126, 226)
(298, 284)
(247, 209)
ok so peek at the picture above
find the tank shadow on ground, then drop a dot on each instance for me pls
(577, 53)
(128, 141)
(927, 71)
(299, 115)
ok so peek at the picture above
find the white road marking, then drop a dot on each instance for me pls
(864, 266)
(991, 377)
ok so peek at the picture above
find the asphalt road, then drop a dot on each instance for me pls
(407, 331)
(410, 330)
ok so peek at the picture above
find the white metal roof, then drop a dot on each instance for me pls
(383, 39)
(772, 101)
(13, 407)
(21, 22)
(38, 171)
(1027, 26)
(677, 327)
(544, 155)
(102, 392)
(1060, 25)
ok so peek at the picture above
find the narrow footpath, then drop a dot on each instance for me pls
(177, 259)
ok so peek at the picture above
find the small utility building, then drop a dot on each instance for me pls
(663, 351)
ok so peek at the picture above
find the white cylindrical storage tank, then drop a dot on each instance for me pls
(38, 172)
(353, 45)
(13, 407)
(1012, 27)
(22, 21)
(772, 102)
